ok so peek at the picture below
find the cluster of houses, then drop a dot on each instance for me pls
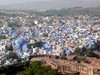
(59, 34)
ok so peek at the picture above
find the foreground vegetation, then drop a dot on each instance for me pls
(37, 69)
(28, 69)
(13, 69)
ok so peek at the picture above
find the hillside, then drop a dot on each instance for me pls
(71, 11)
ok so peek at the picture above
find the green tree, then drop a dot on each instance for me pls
(45, 35)
(89, 53)
(38, 44)
(77, 51)
(30, 46)
(37, 69)
(26, 64)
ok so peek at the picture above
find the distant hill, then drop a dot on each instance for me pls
(60, 12)
(71, 11)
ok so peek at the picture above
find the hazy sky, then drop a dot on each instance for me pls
(4, 2)
(45, 4)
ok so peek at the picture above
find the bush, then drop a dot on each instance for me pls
(45, 35)
(38, 44)
(77, 51)
(37, 69)
(30, 45)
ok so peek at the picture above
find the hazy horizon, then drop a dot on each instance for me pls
(47, 4)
